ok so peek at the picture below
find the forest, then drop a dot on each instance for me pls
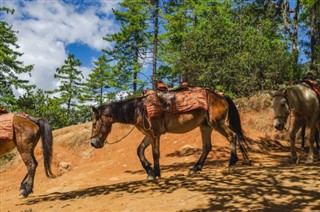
(239, 47)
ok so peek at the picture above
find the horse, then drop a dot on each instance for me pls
(132, 111)
(303, 138)
(26, 134)
(302, 102)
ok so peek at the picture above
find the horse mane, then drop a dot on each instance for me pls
(123, 110)
(280, 92)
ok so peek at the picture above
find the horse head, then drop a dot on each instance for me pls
(281, 109)
(101, 126)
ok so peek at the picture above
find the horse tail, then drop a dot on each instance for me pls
(235, 126)
(47, 140)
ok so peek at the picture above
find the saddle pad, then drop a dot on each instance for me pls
(6, 126)
(152, 104)
(2, 110)
(315, 86)
(191, 99)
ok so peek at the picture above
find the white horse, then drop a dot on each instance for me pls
(302, 103)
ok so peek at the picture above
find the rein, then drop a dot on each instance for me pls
(106, 142)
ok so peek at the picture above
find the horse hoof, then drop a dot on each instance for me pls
(295, 160)
(191, 172)
(22, 194)
(232, 168)
(248, 163)
(309, 161)
(150, 178)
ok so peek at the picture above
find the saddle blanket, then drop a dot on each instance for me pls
(152, 104)
(190, 99)
(315, 86)
(6, 126)
(183, 101)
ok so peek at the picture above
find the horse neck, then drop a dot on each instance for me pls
(124, 112)
(296, 96)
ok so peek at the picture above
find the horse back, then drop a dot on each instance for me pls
(217, 106)
(25, 126)
(19, 133)
(303, 100)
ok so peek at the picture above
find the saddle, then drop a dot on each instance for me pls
(2, 110)
(6, 126)
(313, 84)
(175, 100)
(6, 123)
(184, 100)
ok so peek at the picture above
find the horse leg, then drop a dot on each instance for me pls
(27, 184)
(206, 148)
(317, 141)
(302, 136)
(296, 126)
(156, 157)
(311, 149)
(226, 132)
(144, 162)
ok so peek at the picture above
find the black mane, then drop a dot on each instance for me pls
(123, 111)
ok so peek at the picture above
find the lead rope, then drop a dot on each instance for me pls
(286, 129)
(106, 142)
(145, 117)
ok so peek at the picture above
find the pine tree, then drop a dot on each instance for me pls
(99, 80)
(70, 83)
(130, 43)
(10, 65)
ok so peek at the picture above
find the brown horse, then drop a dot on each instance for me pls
(26, 134)
(303, 103)
(133, 111)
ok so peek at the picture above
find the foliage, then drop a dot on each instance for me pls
(99, 81)
(130, 43)
(10, 65)
(236, 46)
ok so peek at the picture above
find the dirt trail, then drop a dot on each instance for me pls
(112, 179)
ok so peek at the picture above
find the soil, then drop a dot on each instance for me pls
(112, 178)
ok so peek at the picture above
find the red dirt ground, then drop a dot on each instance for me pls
(112, 179)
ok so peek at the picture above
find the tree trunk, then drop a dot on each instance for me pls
(155, 42)
(313, 37)
(295, 46)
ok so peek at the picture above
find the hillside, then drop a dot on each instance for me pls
(112, 179)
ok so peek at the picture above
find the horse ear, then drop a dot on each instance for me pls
(95, 110)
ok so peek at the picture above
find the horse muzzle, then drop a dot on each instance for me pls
(96, 143)
(278, 125)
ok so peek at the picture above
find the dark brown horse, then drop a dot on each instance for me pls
(26, 134)
(133, 111)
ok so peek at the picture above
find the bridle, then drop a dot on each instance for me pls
(284, 116)
(102, 125)
(106, 142)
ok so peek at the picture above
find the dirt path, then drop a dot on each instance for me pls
(111, 179)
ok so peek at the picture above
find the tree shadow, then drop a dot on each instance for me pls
(245, 189)
(278, 187)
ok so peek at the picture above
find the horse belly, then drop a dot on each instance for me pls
(181, 123)
(6, 146)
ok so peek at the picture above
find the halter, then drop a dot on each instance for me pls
(102, 124)
(106, 142)
(287, 102)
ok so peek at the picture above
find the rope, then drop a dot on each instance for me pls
(106, 142)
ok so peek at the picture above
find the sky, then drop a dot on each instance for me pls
(49, 30)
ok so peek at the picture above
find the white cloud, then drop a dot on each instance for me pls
(45, 28)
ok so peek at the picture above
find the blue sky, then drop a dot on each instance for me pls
(49, 30)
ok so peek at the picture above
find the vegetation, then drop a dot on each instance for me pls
(236, 46)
